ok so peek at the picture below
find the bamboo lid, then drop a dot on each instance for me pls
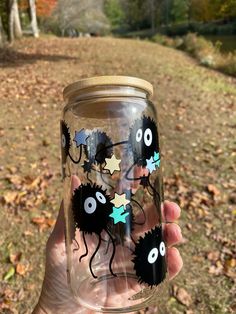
(76, 87)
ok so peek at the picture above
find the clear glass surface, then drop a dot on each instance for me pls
(111, 165)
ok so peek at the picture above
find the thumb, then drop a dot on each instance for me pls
(58, 233)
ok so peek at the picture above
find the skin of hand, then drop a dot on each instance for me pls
(56, 296)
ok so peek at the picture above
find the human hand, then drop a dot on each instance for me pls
(56, 296)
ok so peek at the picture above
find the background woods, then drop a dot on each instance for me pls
(120, 16)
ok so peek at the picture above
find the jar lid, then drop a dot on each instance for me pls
(75, 87)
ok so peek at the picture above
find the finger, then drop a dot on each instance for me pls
(75, 183)
(151, 219)
(58, 233)
(171, 211)
(175, 262)
(172, 234)
(138, 173)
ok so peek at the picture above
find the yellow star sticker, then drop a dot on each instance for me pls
(112, 164)
(119, 200)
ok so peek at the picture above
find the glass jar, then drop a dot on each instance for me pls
(111, 165)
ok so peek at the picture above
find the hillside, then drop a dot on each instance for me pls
(197, 114)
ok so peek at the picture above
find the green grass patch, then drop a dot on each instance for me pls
(207, 53)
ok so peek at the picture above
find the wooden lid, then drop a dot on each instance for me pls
(76, 87)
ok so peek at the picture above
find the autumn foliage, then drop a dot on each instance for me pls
(44, 7)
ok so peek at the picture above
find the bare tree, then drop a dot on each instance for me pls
(1, 33)
(33, 16)
(17, 24)
(83, 15)
(14, 20)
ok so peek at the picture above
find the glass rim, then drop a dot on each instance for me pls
(76, 88)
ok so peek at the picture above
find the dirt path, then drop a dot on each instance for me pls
(197, 114)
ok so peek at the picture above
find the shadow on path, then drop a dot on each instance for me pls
(12, 58)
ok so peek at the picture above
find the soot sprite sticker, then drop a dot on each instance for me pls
(99, 147)
(91, 207)
(150, 258)
(80, 139)
(143, 140)
(65, 141)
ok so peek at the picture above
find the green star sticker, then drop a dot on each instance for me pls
(119, 214)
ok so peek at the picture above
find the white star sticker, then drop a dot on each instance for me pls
(112, 164)
(119, 200)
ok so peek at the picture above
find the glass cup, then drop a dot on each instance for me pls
(111, 166)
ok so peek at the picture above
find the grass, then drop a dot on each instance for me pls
(196, 109)
(206, 53)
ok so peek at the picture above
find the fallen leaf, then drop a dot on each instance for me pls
(213, 256)
(9, 197)
(9, 274)
(213, 189)
(12, 170)
(183, 297)
(230, 273)
(28, 233)
(38, 220)
(14, 179)
(179, 127)
(216, 269)
(50, 222)
(230, 263)
(43, 222)
(15, 258)
(21, 269)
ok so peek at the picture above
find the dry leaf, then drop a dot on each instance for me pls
(28, 233)
(38, 220)
(21, 269)
(43, 222)
(9, 197)
(216, 269)
(213, 256)
(179, 127)
(50, 222)
(15, 258)
(9, 274)
(14, 179)
(230, 273)
(213, 189)
(183, 297)
(231, 263)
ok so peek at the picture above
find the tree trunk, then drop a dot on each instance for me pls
(11, 21)
(152, 16)
(1, 33)
(17, 25)
(34, 23)
(14, 26)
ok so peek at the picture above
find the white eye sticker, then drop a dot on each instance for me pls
(148, 137)
(63, 140)
(162, 249)
(153, 255)
(100, 197)
(139, 135)
(90, 205)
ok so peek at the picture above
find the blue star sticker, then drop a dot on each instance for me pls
(80, 138)
(119, 214)
(157, 159)
(150, 164)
